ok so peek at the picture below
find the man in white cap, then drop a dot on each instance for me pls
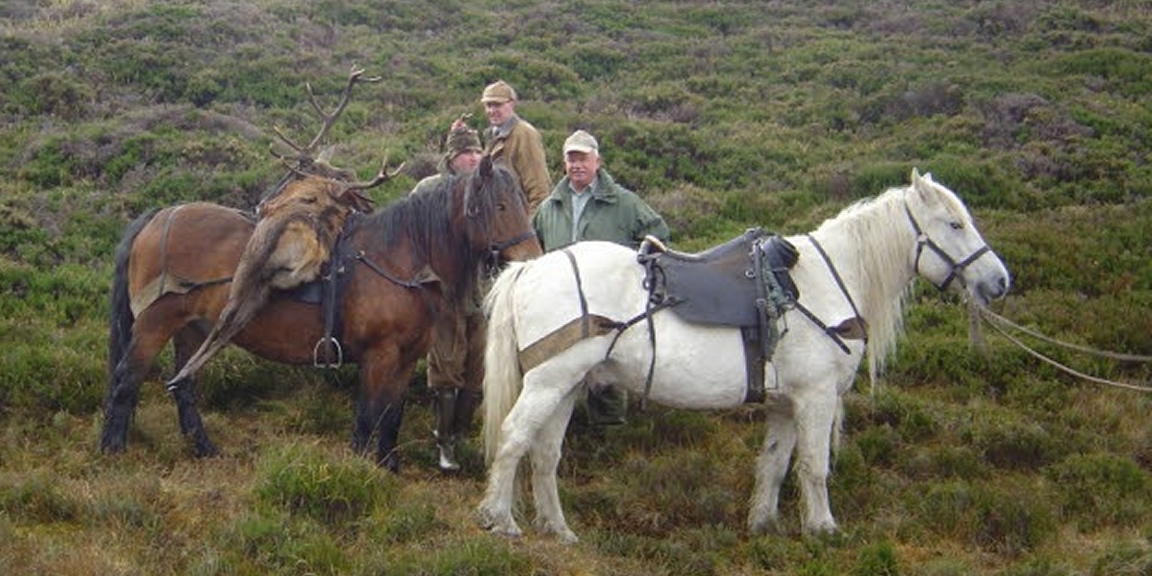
(514, 141)
(587, 204)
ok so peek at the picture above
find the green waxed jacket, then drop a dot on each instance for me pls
(614, 214)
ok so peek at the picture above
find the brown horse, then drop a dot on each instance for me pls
(399, 267)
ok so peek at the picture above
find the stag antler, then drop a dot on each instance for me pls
(305, 154)
(349, 193)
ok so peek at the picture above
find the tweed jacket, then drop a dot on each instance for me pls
(521, 148)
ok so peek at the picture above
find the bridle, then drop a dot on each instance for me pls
(492, 260)
(956, 268)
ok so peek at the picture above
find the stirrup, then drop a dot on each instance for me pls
(316, 353)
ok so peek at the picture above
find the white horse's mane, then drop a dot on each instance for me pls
(878, 228)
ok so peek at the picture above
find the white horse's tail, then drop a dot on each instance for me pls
(502, 377)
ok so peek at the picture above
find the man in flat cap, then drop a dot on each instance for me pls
(587, 204)
(517, 143)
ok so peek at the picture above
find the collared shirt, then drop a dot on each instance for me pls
(579, 201)
(503, 130)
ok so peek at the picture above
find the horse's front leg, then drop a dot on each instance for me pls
(772, 464)
(815, 417)
(380, 408)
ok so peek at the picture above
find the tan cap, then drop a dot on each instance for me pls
(498, 91)
(581, 141)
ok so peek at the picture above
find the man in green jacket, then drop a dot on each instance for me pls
(515, 142)
(456, 359)
(587, 204)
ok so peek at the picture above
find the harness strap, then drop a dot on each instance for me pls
(843, 289)
(580, 293)
(329, 306)
(417, 281)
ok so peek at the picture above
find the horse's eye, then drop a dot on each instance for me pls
(956, 225)
(501, 207)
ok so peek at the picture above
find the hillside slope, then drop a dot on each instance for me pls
(723, 115)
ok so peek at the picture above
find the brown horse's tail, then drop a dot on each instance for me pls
(121, 318)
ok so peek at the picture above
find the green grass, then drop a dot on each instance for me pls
(724, 116)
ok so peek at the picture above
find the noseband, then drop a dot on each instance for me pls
(957, 268)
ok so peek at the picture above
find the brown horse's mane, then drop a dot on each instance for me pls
(424, 222)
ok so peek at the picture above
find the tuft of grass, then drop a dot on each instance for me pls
(1098, 490)
(303, 479)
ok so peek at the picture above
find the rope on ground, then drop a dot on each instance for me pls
(998, 322)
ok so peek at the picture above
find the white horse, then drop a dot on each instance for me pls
(876, 246)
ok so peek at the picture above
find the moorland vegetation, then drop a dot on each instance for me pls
(724, 115)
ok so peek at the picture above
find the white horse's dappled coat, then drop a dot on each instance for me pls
(873, 245)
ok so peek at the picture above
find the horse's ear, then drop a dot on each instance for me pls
(485, 167)
(921, 183)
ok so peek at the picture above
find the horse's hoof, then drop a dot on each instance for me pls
(561, 531)
(112, 442)
(484, 517)
(206, 450)
(391, 463)
(825, 528)
(511, 532)
(112, 447)
(764, 527)
(497, 523)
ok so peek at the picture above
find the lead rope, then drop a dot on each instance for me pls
(994, 321)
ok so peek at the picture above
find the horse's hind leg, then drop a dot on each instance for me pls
(547, 399)
(186, 342)
(148, 337)
(772, 464)
(545, 457)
